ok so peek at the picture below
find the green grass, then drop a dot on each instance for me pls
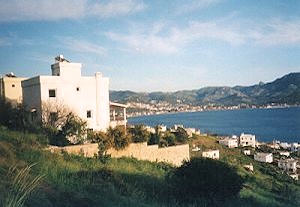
(70, 180)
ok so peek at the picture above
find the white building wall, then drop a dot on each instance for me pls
(79, 94)
(263, 157)
(213, 154)
(247, 140)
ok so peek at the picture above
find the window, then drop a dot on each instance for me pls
(52, 93)
(88, 114)
(13, 85)
(53, 118)
(77, 89)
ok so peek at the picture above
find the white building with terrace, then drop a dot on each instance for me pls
(247, 140)
(87, 96)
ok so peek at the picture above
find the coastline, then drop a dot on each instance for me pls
(219, 108)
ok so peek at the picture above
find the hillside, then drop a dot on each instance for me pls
(69, 180)
(283, 90)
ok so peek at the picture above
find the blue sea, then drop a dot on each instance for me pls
(267, 124)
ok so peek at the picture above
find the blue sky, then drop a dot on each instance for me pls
(165, 45)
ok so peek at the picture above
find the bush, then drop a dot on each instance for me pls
(204, 180)
(181, 135)
(168, 139)
(139, 133)
(119, 137)
(104, 143)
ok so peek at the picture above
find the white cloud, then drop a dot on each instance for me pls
(82, 46)
(50, 10)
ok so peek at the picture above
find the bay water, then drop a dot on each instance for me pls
(267, 124)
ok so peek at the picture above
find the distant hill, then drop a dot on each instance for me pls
(283, 90)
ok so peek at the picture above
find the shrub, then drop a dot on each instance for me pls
(119, 137)
(181, 135)
(168, 139)
(139, 133)
(205, 180)
(104, 143)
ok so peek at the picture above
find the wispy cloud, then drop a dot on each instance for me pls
(167, 40)
(51, 10)
(190, 6)
(5, 42)
(277, 32)
(82, 46)
(164, 39)
(116, 8)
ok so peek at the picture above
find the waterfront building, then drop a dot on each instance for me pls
(212, 154)
(11, 89)
(294, 147)
(263, 157)
(86, 96)
(288, 165)
(229, 142)
(247, 140)
(284, 153)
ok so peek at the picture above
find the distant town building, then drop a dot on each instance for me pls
(249, 167)
(288, 165)
(284, 153)
(212, 154)
(191, 131)
(247, 152)
(229, 142)
(294, 147)
(11, 89)
(87, 96)
(247, 140)
(285, 145)
(263, 157)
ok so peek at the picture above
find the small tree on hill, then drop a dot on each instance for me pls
(205, 180)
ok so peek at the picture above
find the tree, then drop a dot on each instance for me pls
(74, 129)
(54, 114)
(205, 179)
(155, 137)
(61, 124)
(104, 143)
(119, 137)
(181, 135)
(168, 139)
(139, 133)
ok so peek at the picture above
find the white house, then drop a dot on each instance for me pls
(247, 152)
(284, 153)
(10, 88)
(294, 147)
(288, 165)
(213, 154)
(87, 96)
(229, 142)
(263, 157)
(247, 140)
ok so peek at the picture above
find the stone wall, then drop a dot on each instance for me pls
(174, 154)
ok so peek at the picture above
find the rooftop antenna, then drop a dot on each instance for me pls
(60, 59)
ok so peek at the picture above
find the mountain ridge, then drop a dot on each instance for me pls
(283, 90)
